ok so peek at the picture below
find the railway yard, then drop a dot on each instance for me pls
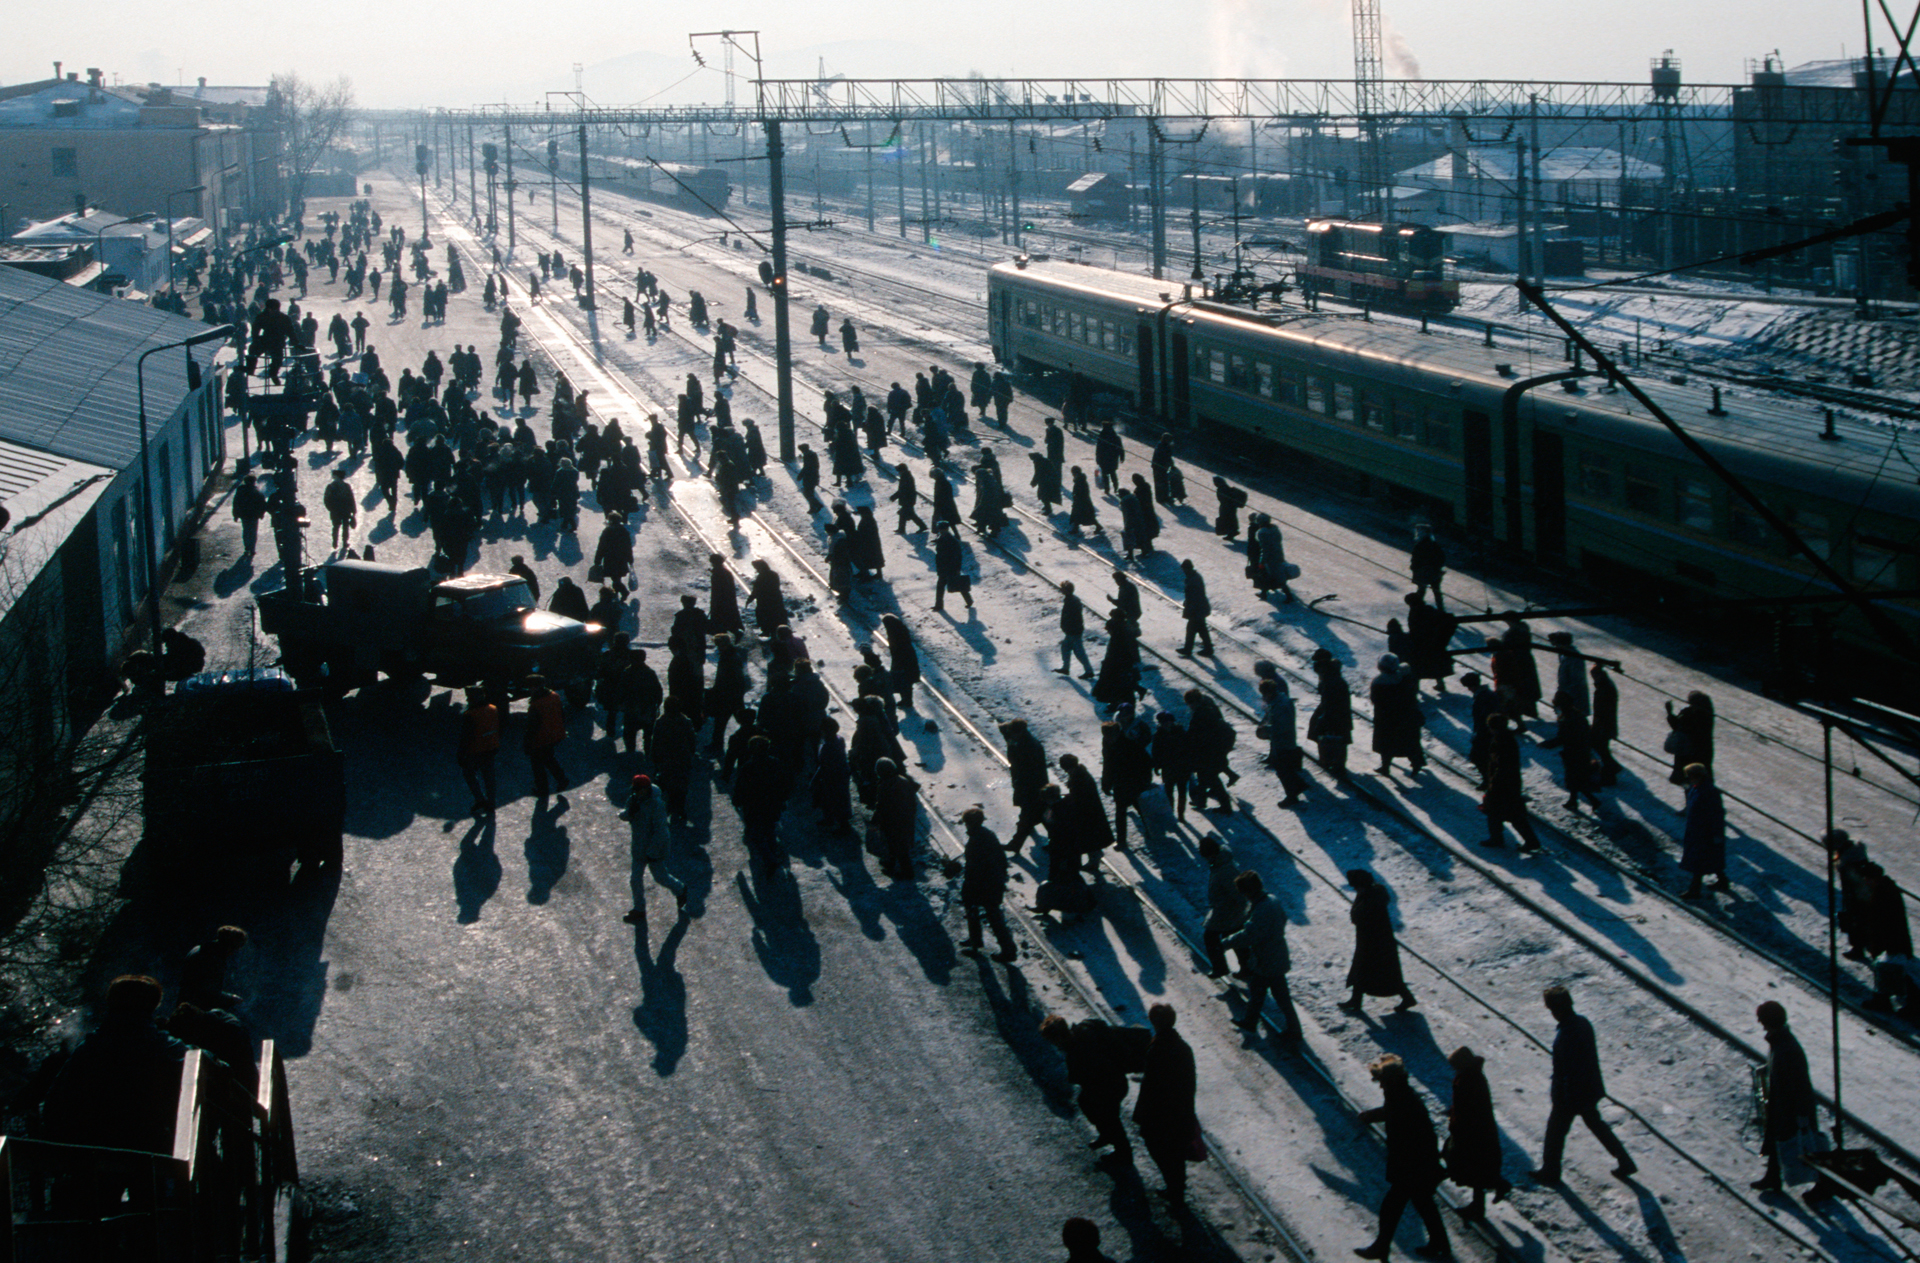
(1671, 984)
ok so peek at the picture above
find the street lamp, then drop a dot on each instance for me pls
(146, 467)
(198, 188)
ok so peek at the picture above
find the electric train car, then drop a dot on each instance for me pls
(1540, 456)
(1389, 265)
(694, 188)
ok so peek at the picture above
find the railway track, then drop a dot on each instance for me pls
(1665, 996)
(1295, 527)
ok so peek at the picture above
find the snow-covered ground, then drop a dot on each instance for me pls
(1671, 993)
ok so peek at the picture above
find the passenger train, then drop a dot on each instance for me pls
(1543, 457)
(701, 189)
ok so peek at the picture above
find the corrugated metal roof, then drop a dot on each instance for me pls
(67, 379)
(46, 498)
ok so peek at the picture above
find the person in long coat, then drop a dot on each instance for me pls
(1472, 1153)
(832, 779)
(1517, 641)
(1045, 481)
(729, 690)
(872, 741)
(1429, 632)
(1108, 452)
(1575, 1090)
(1330, 727)
(945, 507)
(1149, 519)
(1791, 1107)
(614, 554)
(1413, 1160)
(1604, 728)
(723, 598)
(895, 811)
(1082, 513)
(1505, 799)
(768, 601)
(1376, 952)
(1119, 677)
(903, 660)
(1164, 1111)
(1396, 716)
(1084, 814)
(869, 555)
(1133, 527)
(1703, 843)
(1573, 737)
(670, 747)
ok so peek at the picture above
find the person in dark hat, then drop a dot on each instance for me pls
(120, 1087)
(1080, 1236)
(1330, 727)
(1376, 952)
(1096, 1064)
(646, 817)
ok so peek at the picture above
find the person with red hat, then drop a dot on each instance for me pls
(646, 815)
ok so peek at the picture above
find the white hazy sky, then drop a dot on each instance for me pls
(410, 52)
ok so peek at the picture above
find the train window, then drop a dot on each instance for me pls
(1872, 565)
(1749, 528)
(1373, 410)
(1342, 401)
(1216, 366)
(1109, 335)
(1239, 374)
(1406, 421)
(1438, 430)
(1693, 500)
(1596, 476)
(1317, 394)
(1057, 320)
(1642, 490)
(1029, 313)
(1293, 388)
(1123, 341)
(1813, 527)
(1076, 326)
(1263, 379)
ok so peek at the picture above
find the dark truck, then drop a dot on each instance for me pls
(241, 772)
(348, 620)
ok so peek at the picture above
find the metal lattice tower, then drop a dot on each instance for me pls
(1371, 99)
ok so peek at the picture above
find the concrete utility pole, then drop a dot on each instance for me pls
(782, 328)
(900, 170)
(1013, 177)
(1156, 156)
(586, 220)
(507, 146)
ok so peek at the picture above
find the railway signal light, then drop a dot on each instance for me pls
(553, 154)
(766, 272)
(490, 157)
(420, 159)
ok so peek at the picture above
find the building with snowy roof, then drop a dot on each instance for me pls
(66, 144)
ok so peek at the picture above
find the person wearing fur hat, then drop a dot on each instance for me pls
(1413, 1161)
(1376, 953)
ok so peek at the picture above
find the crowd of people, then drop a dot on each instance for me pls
(474, 468)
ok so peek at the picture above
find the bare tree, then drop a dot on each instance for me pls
(312, 117)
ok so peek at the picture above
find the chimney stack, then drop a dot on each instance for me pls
(56, 70)
(96, 77)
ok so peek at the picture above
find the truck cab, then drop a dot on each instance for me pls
(348, 620)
